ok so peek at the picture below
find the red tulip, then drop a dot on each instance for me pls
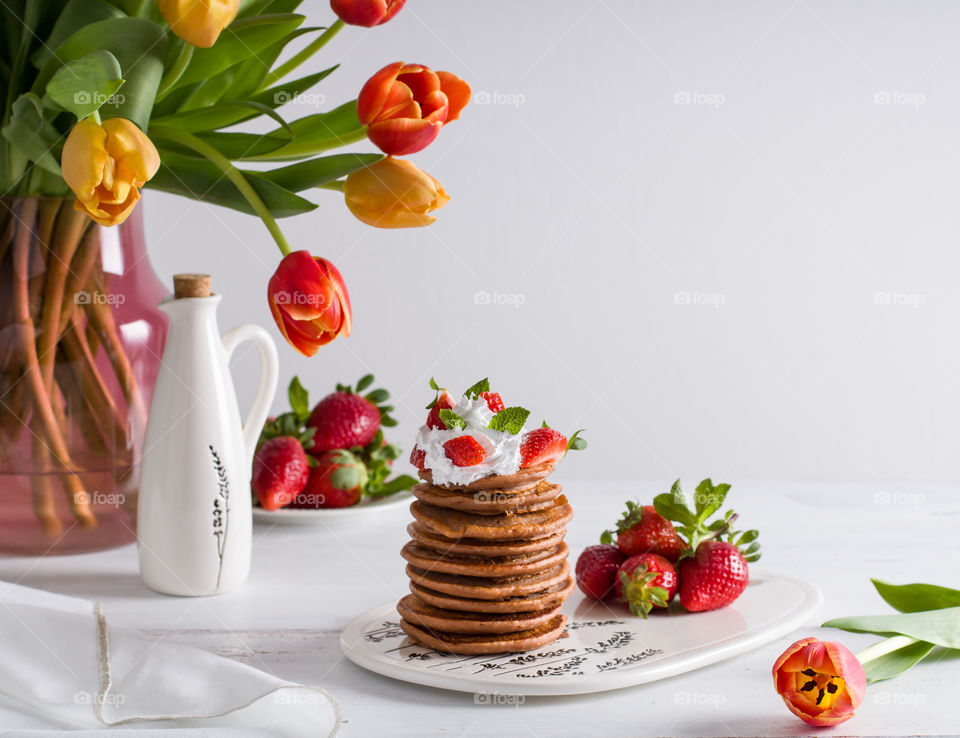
(404, 106)
(309, 301)
(821, 682)
(367, 13)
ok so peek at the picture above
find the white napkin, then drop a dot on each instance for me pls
(62, 667)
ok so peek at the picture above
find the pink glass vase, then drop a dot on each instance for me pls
(80, 345)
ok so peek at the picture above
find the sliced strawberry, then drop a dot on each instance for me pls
(444, 402)
(493, 401)
(464, 451)
(541, 446)
(418, 457)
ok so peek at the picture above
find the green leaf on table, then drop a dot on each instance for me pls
(83, 85)
(917, 597)
(896, 662)
(941, 627)
(31, 133)
(510, 419)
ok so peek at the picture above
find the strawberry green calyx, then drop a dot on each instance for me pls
(639, 596)
(629, 519)
(350, 472)
(510, 419)
(473, 392)
(694, 524)
(291, 423)
(438, 389)
(377, 456)
(375, 397)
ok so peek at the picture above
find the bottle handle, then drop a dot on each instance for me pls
(269, 373)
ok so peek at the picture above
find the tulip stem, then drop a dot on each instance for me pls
(882, 648)
(175, 72)
(295, 61)
(230, 172)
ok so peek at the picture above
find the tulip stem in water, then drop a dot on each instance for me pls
(230, 172)
(882, 648)
(295, 61)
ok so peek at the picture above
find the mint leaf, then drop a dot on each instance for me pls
(299, 399)
(482, 386)
(509, 419)
(451, 419)
(709, 498)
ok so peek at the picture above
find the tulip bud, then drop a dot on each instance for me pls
(106, 164)
(393, 193)
(821, 682)
(309, 302)
(366, 13)
(199, 22)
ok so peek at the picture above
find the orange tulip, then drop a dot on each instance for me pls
(404, 106)
(393, 193)
(199, 22)
(366, 13)
(309, 302)
(106, 164)
(821, 682)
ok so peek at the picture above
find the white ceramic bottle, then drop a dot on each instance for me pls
(194, 525)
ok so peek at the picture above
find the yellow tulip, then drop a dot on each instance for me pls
(106, 164)
(199, 22)
(393, 193)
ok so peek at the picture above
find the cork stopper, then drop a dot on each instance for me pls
(191, 285)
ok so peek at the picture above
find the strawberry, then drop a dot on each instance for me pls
(443, 402)
(418, 457)
(280, 472)
(713, 577)
(493, 401)
(540, 446)
(645, 582)
(464, 451)
(643, 530)
(346, 419)
(336, 481)
(597, 571)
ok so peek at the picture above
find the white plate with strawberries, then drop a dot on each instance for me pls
(367, 508)
(605, 648)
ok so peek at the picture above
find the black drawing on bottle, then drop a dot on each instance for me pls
(221, 509)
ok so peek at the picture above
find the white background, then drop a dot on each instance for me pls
(790, 168)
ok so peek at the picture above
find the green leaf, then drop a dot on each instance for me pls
(83, 85)
(451, 420)
(377, 396)
(709, 498)
(474, 391)
(917, 597)
(319, 171)
(317, 133)
(576, 442)
(241, 40)
(31, 133)
(941, 627)
(75, 14)
(896, 662)
(367, 379)
(299, 399)
(397, 484)
(510, 419)
(201, 180)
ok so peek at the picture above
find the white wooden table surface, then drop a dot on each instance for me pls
(306, 584)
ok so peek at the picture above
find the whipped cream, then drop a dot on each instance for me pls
(503, 449)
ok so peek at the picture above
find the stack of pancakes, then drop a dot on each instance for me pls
(487, 564)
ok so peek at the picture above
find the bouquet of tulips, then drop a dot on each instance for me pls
(105, 97)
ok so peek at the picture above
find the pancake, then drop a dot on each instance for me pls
(480, 547)
(543, 600)
(456, 524)
(524, 477)
(486, 566)
(482, 588)
(430, 618)
(489, 501)
(471, 644)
